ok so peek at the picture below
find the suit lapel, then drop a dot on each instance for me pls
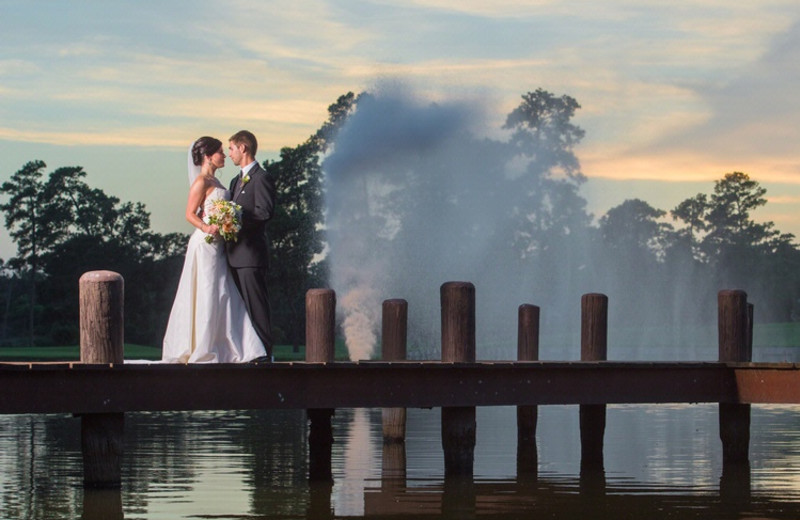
(236, 186)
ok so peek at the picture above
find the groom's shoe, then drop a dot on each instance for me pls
(262, 360)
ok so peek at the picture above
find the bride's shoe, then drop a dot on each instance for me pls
(262, 360)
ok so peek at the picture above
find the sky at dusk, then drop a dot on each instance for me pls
(673, 94)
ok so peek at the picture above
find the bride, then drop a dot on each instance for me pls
(208, 322)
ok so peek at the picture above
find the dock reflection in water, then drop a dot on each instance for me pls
(660, 462)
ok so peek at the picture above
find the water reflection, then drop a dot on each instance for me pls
(356, 456)
(102, 504)
(565, 499)
(660, 462)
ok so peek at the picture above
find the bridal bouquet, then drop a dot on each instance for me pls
(227, 216)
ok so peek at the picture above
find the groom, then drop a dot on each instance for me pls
(248, 257)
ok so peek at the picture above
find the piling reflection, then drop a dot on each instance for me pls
(320, 441)
(735, 488)
(320, 506)
(527, 451)
(592, 482)
(102, 504)
(393, 464)
(458, 497)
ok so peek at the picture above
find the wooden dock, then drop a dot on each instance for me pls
(102, 388)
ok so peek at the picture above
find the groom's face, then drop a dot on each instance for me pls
(235, 152)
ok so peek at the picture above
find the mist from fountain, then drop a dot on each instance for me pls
(418, 194)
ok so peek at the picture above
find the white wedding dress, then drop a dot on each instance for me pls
(209, 322)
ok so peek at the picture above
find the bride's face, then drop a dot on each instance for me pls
(218, 159)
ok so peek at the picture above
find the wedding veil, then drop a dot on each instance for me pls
(194, 170)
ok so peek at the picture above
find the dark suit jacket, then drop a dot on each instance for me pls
(257, 199)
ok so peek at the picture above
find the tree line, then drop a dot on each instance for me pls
(62, 228)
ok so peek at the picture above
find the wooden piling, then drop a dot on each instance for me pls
(394, 334)
(101, 300)
(458, 322)
(101, 295)
(527, 416)
(458, 346)
(735, 344)
(320, 348)
(320, 325)
(594, 338)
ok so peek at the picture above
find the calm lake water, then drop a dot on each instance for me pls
(660, 462)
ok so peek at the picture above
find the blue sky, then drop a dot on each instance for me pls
(673, 94)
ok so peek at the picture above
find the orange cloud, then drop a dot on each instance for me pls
(688, 167)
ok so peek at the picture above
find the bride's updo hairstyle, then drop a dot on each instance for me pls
(204, 146)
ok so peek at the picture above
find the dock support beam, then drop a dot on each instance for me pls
(735, 337)
(320, 348)
(101, 295)
(527, 416)
(458, 346)
(594, 337)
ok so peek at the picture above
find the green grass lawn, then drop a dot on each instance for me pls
(777, 335)
(784, 335)
(780, 335)
(72, 353)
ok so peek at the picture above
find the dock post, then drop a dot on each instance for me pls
(594, 337)
(101, 304)
(458, 346)
(394, 334)
(320, 348)
(527, 416)
(735, 329)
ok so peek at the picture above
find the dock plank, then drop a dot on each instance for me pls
(84, 388)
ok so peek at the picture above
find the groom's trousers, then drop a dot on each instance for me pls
(252, 285)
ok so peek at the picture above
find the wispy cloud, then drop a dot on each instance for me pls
(686, 166)
(663, 86)
(142, 136)
(783, 199)
(751, 119)
(517, 8)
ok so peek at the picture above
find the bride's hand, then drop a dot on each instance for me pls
(212, 229)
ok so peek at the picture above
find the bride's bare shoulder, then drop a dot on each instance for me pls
(199, 183)
(206, 184)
